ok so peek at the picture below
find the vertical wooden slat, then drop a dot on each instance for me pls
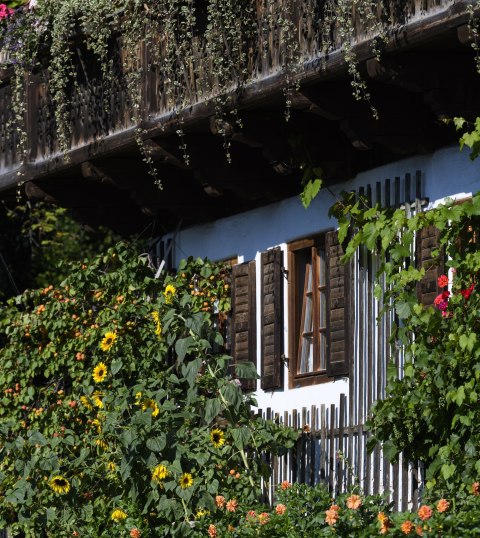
(331, 455)
(341, 433)
(313, 444)
(323, 442)
(294, 463)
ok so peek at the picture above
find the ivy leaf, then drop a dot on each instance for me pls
(403, 309)
(310, 191)
(448, 470)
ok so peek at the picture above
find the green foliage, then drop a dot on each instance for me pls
(470, 137)
(116, 412)
(37, 241)
(431, 407)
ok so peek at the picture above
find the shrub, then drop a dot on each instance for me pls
(117, 418)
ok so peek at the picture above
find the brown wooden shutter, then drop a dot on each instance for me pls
(339, 311)
(428, 240)
(244, 325)
(272, 318)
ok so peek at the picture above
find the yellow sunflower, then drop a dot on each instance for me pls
(158, 324)
(186, 480)
(217, 437)
(111, 466)
(97, 425)
(108, 341)
(148, 403)
(102, 444)
(201, 513)
(118, 515)
(169, 293)
(99, 372)
(97, 399)
(60, 485)
(159, 473)
(86, 403)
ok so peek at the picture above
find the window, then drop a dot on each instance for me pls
(319, 310)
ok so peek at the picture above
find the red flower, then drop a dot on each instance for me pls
(466, 293)
(442, 281)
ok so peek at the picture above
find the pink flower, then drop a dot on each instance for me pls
(280, 509)
(442, 281)
(5, 11)
(442, 305)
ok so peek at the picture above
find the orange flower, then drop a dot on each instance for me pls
(443, 505)
(419, 530)
(354, 502)
(384, 523)
(280, 509)
(212, 531)
(285, 485)
(263, 518)
(135, 533)
(331, 516)
(476, 488)
(407, 527)
(251, 514)
(425, 512)
(220, 501)
(232, 505)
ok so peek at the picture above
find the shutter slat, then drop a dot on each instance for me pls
(339, 312)
(428, 240)
(272, 318)
(244, 344)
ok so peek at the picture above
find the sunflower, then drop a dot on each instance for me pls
(186, 480)
(217, 437)
(86, 403)
(60, 485)
(118, 515)
(97, 399)
(111, 466)
(148, 403)
(159, 473)
(102, 444)
(108, 341)
(99, 372)
(169, 293)
(97, 425)
(158, 324)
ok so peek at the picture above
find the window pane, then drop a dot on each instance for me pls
(306, 355)
(321, 256)
(322, 298)
(323, 351)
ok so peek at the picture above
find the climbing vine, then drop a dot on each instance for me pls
(433, 401)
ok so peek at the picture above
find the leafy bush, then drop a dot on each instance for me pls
(117, 418)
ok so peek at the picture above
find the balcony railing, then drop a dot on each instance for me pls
(102, 119)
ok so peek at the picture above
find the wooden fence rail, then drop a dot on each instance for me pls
(331, 452)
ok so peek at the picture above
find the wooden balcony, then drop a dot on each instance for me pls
(426, 64)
